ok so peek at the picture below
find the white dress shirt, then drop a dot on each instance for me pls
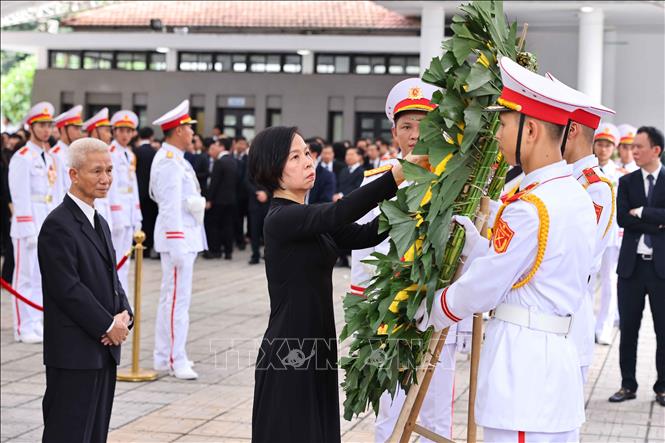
(642, 247)
(88, 210)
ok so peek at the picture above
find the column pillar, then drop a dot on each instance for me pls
(432, 29)
(172, 60)
(590, 54)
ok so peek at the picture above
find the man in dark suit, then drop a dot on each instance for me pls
(221, 200)
(86, 313)
(325, 183)
(329, 162)
(258, 205)
(144, 155)
(351, 177)
(641, 268)
(239, 149)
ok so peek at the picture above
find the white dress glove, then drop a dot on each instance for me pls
(435, 318)
(474, 243)
(196, 205)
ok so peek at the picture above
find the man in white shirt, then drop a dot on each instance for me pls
(641, 269)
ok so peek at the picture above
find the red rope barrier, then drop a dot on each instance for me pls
(34, 305)
(13, 292)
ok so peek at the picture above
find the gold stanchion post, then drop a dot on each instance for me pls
(136, 373)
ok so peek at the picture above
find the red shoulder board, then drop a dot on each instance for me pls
(591, 176)
(56, 149)
(519, 195)
(112, 148)
(23, 151)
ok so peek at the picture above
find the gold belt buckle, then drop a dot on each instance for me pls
(48, 198)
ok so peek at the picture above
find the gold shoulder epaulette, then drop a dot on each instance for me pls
(378, 170)
(169, 154)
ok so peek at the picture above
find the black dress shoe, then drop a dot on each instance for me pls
(253, 261)
(660, 398)
(228, 257)
(210, 255)
(622, 395)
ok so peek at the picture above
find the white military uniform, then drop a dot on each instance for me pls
(179, 236)
(102, 205)
(534, 275)
(71, 117)
(589, 175)
(124, 196)
(589, 113)
(627, 136)
(608, 308)
(437, 409)
(32, 183)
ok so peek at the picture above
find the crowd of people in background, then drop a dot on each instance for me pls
(235, 206)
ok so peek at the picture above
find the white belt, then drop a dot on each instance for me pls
(532, 319)
(42, 198)
(127, 190)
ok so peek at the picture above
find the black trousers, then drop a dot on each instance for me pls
(257, 214)
(631, 295)
(77, 404)
(241, 211)
(221, 228)
(149, 212)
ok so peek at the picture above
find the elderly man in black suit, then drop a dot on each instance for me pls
(641, 268)
(86, 312)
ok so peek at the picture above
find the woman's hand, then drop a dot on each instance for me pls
(420, 160)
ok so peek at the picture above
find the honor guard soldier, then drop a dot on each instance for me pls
(32, 184)
(124, 195)
(179, 236)
(69, 126)
(99, 126)
(577, 150)
(606, 138)
(533, 273)
(407, 103)
(625, 162)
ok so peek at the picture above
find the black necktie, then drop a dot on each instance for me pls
(98, 228)
(647, 237)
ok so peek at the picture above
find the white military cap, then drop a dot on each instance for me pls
(411, 94)
(583, 109)
(531, 94)
(124, 119)
(41, 112)
(97, 120)
(71, 117)
(627, 133)
(607, 131)
(175, 117)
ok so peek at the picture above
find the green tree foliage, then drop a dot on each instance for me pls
(17, 88)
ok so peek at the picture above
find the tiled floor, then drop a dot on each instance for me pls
(228, 317)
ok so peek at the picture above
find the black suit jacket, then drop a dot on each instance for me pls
(631, 195)
(242, 168)
(324, 187)
(223, 189)
(81, 289)
(144, 156)
(348, 182)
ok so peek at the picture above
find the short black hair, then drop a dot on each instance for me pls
(315, 146)
(654, 135)
(239, 138)
(146, 132)
(355, 148)
(208, 142)
(225, 143)
(169, 132)
(554, 131)
(268, 154)
(218, 127)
